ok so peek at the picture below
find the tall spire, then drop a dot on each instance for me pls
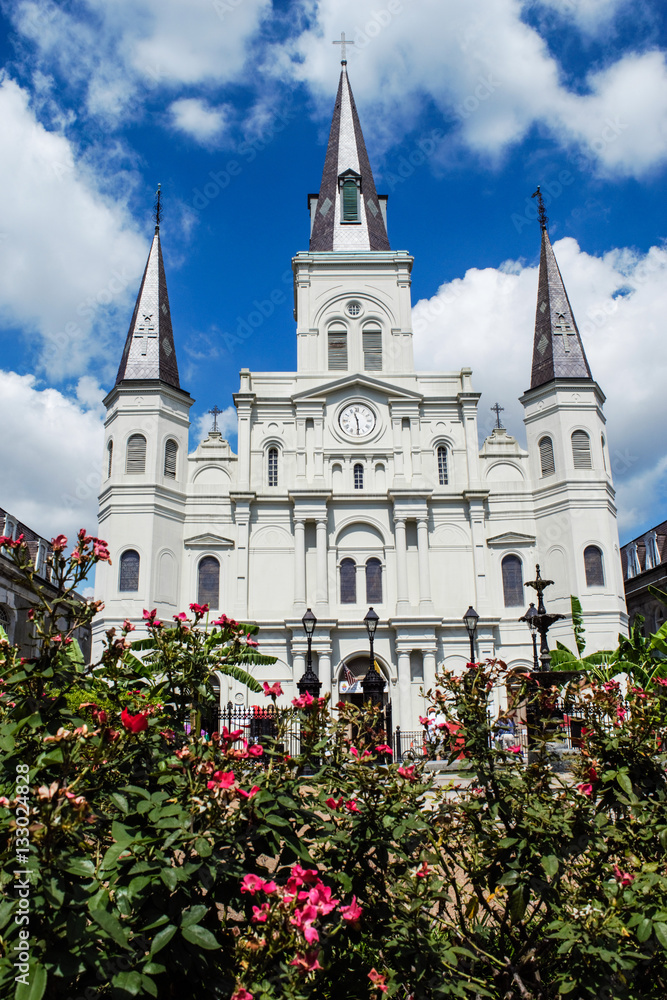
(347, 159)
(557, 349)
(149, 349)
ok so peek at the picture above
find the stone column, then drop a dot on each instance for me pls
(300, 448)
(425, 603)
(324, 665)
(404, 690)
(299, 564)
(321, 591)
(402, 601)
(428, 659)
(299, 668)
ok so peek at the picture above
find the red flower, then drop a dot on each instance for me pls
(624, 878)
(135, 723)
(241, 994)
(383, 748)
(378, 979)
(253, 884)
(274, 691)
(423, 871)
(305, 963)
(149, 615)
(59, 543)
(181, 617)
(303, 702)
(352, 807)
(260, 913)
(255, 750)
(333, 804)
(199, 610)
(585, 788)
(249, 795)
(515, 749)
(221, 779)
(408, 772)
(351, 914)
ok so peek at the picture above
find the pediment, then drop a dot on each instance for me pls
(209, 541)
(358, 381)
(509, 538)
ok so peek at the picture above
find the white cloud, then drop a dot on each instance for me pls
(486, 319)
(198, 119)
(70, 257)
(51, 455)
(591, 16)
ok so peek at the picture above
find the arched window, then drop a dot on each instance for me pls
(129, 571)
(273, 467)
(593, 566)
(358, 476)
(348, 582)
(208, 582)
(170, 454)
(373, 581)
(443, 473)
(337, 347)
(135, 462)
(513, 582)
(581, 450)
(109, 457)
(349, 201)
(547, 464)
(372, 345)
(5, 620)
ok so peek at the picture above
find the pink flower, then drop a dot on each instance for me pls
(354, 751)
(255, 750)
(422, 871)
(251, 884)
(333, 804)
(100, 549)
(59, 543)
(249, 795)
(250, 641)
(223, 620)
(135, 723)
(620, 713)
(408, 772)
(378, 979)
(351, 914)
(660, 680)
(274, 691)
(241, 994)
(199, 610)
(624, 878)
(260, 913)
(304, 918)
(181, 617)
(424, 719)
(515, 749)
(383, 748)
(585, 788)
(304, 701)
(305, 963)
(221, 779)
(472, 666)
(352, 807)
(128, 626)
(149, 615)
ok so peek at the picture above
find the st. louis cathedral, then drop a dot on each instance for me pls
(358, 481)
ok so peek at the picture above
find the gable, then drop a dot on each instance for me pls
(359, 381)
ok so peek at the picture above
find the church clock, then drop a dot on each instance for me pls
(357, 420)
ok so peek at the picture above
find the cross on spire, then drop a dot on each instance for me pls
(215, 412)
(498, 409)
(343, 50)
(542, 212)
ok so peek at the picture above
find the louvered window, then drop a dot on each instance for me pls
(372, 343)
(170, 453)
(208, 582)
(512, 582)
(348, 582)
(593, 566)
(374, 581)
(547, 457)
(358, 476)
(273, 467)
(338, 348)
(581, 450)
(350, 198)
(110, 457)
(443, 474)
(129, 571)
(136, 455)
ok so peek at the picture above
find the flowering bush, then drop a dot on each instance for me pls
(167, 865)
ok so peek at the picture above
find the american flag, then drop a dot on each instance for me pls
(348, 675)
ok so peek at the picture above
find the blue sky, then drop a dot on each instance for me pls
(466, 107)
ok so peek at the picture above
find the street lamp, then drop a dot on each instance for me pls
(372, 684)
(309, 684)
(471, 618)
(529, 618)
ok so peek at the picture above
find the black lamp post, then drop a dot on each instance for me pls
(309, 684)
(529, 619)
(543, 621)
(372, 684)
(471, 618)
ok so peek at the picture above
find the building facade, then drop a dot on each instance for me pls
(358, 481)
(645, 565)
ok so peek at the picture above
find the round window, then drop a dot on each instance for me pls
(354, 308)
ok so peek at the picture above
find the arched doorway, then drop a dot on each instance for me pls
(350, 675)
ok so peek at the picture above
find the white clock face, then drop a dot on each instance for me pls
(357, 420)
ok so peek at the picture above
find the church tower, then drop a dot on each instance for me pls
(575, 511)
(142, 500)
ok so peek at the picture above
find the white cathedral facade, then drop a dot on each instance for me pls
(358, 481)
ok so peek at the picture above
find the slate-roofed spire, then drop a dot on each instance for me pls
(149, 349)
(346, 155)
(557, 349)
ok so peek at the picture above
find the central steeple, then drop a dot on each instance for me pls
(349, 216)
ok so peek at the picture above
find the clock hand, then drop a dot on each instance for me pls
(356, 417)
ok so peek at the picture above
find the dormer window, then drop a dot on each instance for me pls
(349, 198)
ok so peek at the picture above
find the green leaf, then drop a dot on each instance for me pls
(509, 878)
(148, 985)
(193, 916)
(131, 982)
(644, 930)
(567, 987)
(550, 865)
(200, 936)
(661, 933)
(624, 782)
(202, 847)
(111, 925)
(162, 938)
(36, 987)
(80, 866)
(121, 834)
(170, 878)
(120, 801)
